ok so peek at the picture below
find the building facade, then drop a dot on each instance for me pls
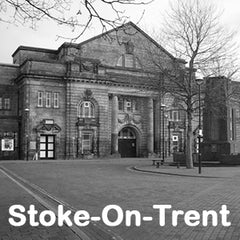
(94, 99)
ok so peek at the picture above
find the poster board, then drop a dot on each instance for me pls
(7, 144)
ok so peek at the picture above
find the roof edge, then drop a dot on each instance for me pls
(35, 49)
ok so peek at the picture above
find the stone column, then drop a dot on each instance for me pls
(114, 124)
(150, 127)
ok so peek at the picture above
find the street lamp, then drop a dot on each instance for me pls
(163, 133)
(27, 127)
(199, 81)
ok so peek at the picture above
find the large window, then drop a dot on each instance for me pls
(48, 99)
(86, 110)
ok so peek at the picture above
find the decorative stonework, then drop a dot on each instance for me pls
(48, 128)
(129, 119)
(87, 94)
(129, 47)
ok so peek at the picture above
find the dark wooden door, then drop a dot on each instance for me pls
(127, 147)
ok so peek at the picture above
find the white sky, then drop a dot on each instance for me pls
(45, 35)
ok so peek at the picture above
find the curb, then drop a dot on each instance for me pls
(171, 174)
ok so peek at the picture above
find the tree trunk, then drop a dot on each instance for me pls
(189, 141)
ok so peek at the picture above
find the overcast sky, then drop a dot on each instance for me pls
(45, 35)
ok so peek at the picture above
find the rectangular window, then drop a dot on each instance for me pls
(48, 99)
(7, 103)
(56, 100)
(40, 99)
(1, 103)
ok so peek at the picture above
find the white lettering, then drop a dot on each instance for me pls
(224, 212)
(129, 215)
(162, 213)
(175, 214)
(64, 217)
(119, 218)
(47, 213)
(81, 216)
(32, 212)
(206, 215)
(20, 216)
(190, 216)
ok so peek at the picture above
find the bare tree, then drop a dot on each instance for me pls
(78, 15)
(192, 31)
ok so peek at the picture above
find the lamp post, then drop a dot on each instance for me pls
(27, 129)
(199, 81)
(163, 133)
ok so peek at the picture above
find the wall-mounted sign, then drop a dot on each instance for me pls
(7, 144)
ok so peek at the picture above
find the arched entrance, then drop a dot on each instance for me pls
(127, 142)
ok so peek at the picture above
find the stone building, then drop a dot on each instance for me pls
(93, 99)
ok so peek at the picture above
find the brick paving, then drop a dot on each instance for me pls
(11, 194)
(91, 185)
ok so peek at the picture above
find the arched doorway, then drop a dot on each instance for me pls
(127, 142)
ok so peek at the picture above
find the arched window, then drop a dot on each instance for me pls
(86, 110)
(126, 133)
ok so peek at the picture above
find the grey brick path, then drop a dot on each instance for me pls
(11, 194)
(92, 185)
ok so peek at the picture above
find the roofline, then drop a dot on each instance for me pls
(118, 28)
(78, 45)
(9, 65)
(35, 49)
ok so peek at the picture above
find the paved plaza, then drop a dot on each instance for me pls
(91, 185)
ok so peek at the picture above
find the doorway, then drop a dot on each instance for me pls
(47, 147)
(127, 144)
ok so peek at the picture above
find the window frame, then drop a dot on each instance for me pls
(172, 115)
(56, 100)
(40, 98)
(48, 99)
(7, 103)
(83, 112)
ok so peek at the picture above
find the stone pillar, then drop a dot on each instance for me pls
(114, 124)
(150, 127)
